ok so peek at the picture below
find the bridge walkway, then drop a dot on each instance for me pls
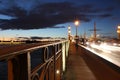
(81, 67)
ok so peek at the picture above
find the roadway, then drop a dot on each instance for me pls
(109, 52)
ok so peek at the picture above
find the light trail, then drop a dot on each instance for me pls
(108, 52)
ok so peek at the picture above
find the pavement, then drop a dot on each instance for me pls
(83, 67)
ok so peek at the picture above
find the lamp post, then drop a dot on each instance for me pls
(76, 37)
(118, 31)
(76, 24)
(69, 32)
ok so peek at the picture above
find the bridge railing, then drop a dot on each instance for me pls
(46, 62)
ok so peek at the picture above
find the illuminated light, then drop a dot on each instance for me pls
(69, 27)
(98, 35)
(69, 31)
(99, 41)
(115, 44)
(87, 43)
(73, 40)
(77, 23)
(118, 31)
(57, 71)
(118, 27)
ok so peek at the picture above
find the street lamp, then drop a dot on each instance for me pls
(76, 37)
(69, 32)
(118, 31)
(76, 24)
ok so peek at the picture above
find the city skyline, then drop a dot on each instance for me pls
(48, 18)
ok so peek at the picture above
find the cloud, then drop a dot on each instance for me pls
(47, 15)
(105, 15)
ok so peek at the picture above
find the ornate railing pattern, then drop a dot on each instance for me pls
(46, 62)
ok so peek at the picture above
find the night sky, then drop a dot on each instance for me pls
(50, 18)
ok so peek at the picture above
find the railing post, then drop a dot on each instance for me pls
(51, 71)
(10, 70)
(63, 57)
(28, 66)
(67, 48)
(19, 68)
(54, 61)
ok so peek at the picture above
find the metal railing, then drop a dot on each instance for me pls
(46, 62)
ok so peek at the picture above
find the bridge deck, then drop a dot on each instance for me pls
(82, 67)
(77, 69)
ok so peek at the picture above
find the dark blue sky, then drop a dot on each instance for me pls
(37, 17)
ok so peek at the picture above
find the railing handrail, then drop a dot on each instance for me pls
(9, 55)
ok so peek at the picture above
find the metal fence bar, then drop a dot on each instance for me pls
(50, 68)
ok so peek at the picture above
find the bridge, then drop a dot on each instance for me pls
(62, 60)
